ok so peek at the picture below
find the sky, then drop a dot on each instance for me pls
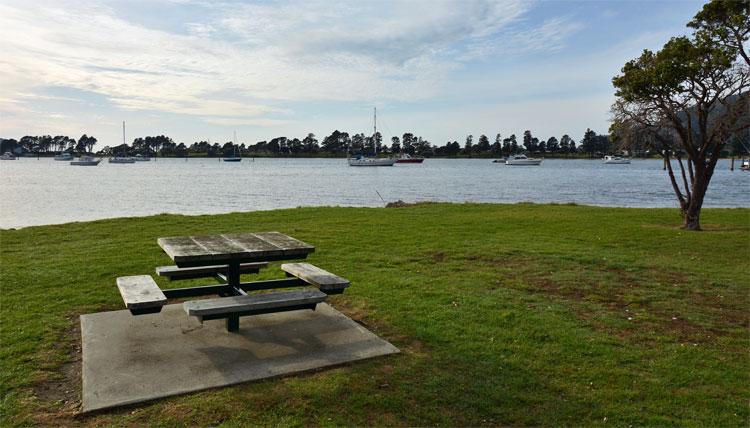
(203, 70)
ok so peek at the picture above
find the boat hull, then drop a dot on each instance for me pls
(372, 162)
(523, 162)
(413, 160)
(616, 160)
(232, 159)
(121, 160)
(86, 163)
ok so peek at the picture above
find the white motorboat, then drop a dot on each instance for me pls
(121, 159)
(745, 165)
(86, 161)
(7, 156)
(64, 156)
(522, 160)
(616, 160)
(405, 158)
(140, 158)
(369, 161)
(362, 160)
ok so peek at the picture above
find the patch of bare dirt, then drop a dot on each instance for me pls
(397, 204)
(438, 256)
(615, 292)
(59, 391)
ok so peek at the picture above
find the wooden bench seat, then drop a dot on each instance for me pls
(237, 306)
(175, 273)
(324, 280)
(141, 294)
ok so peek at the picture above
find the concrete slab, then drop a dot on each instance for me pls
(129, 359)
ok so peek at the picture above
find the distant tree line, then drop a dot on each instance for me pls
(337, 144)
(48, 143)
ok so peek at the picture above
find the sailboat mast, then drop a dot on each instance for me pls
(123, 132)
(375, 130)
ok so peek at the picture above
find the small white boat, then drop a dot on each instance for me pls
(140, 158)
(121, 159)
(522, 160)
(86, 161)
(362, 160)
(616, 160)
(405, 158)
(745, 165)
(65, 156)
(7, 156)
(367, 161)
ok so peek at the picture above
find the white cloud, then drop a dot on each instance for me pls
(263, 53)
(242, 122)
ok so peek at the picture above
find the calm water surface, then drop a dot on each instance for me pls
(44, 191)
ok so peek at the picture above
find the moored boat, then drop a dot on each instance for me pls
(121, 159)
(362, 160)
(405, 158)
(369, 161)
(86, 161)
(140, 158)
(745, 165)
(64, 156)
(522, 160)
(616, 160)
(7, 156)
(234, 157)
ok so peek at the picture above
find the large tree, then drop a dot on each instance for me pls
(483, 144)
(690, 97)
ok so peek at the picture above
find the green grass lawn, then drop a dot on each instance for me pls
(505, 315)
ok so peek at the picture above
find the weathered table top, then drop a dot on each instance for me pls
(237, 247)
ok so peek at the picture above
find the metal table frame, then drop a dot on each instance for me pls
(231, 285)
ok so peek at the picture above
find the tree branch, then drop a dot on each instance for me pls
(676, 187)
(684, 178)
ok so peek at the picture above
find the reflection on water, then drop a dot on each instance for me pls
(43, 191)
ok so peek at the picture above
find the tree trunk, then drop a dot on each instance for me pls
(691, 214)
(692, 217)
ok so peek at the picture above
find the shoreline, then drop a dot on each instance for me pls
(318, 156)
(394, 205)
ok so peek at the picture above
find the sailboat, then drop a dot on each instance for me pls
(234, 157)
(362, 160)
(122, 159)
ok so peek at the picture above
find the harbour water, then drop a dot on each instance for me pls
(44, 191)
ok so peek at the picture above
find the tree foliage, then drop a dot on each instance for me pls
(690, 98)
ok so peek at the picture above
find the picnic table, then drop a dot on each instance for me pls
(226, 257)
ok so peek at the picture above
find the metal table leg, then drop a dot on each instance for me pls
(233, 289)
